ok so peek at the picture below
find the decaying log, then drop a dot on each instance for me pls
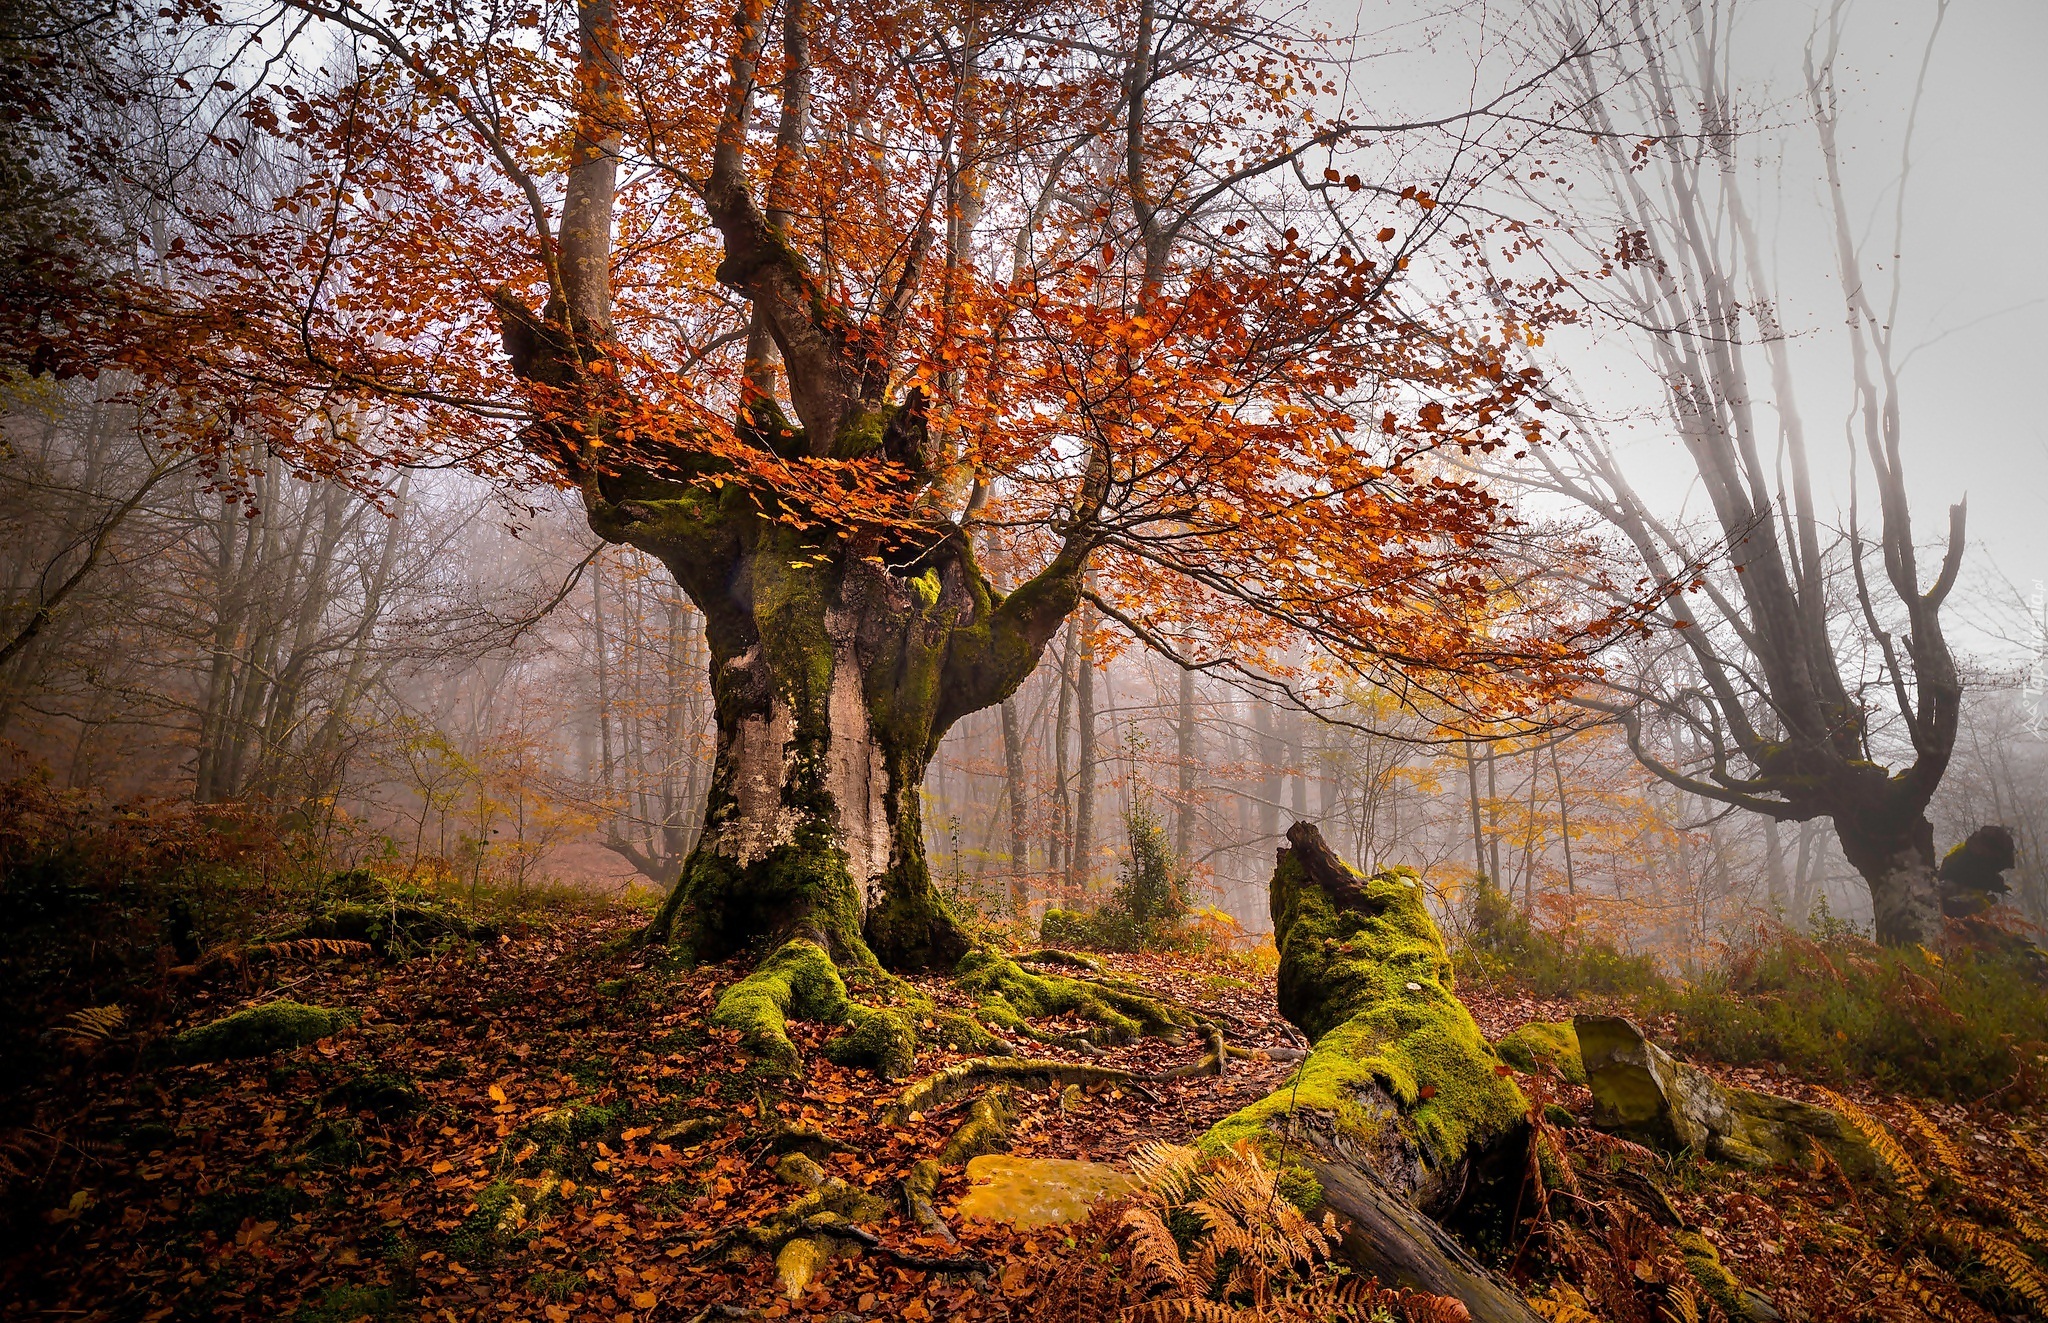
(1401, 1113)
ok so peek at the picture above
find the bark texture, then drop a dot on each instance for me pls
(1400, 1114)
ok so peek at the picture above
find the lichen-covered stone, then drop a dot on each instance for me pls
(1640, 1091)
(798, 981)
(258, 1030)
(1036, 1192)
(1399, 1072)
(1544, 1043)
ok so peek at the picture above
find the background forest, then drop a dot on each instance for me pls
(652, 653)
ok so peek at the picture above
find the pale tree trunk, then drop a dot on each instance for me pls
(1189, 750)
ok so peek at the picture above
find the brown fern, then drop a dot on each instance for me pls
(92, 1026)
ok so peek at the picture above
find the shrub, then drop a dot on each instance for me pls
(1968, 1025)
(1149, 908)
(1502, 945)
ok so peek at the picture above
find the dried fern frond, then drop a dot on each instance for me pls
(308, 948)
(1182, 1310)
(1882, 1142)
(93, 1025)
(1585, 1139)
(1155, 1256)
(1562, 1304)
(1166, 1170)
(2012, 1264)
(1938, 1144)
(1918, 1283)
(1682, 1307)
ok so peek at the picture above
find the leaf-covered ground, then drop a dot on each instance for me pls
(386, 1172)
(370, 1173)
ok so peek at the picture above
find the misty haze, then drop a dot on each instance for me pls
(1170, 660)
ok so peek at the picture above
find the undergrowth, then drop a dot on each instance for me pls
(1502, 946)
(1968, 1025)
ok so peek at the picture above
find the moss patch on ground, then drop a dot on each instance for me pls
(258, 1030)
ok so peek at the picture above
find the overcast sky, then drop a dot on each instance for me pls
(1975, 268)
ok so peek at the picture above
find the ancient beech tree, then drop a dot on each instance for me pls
(825, 307)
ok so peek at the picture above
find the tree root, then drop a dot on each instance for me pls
(986, 1129)
(1054, 956)
(1215, 1061)
(919, 1190)
(1010, 995)
(935, 1088)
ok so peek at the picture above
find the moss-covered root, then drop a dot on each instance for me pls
(940, 1085)
(258, 1030)
(986, 1129)
(1215, 1059)
(1056, 956)
(1010, 997)
(880, 1038)
(920, 1193)
(1399, 1078)
(799, 981)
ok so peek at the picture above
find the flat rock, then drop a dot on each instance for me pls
(1037, 1192)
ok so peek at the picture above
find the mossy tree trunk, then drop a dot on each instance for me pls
(842, 645)
(1401, 1115)
(836, 667)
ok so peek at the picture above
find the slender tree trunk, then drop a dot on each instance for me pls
(1081, 863)
(1472, 804)
(1189, 750)
(1020, 842)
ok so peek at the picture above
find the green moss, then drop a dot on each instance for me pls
(958, 1032)
(259, 1030)
(880, 1039)
(1371, 986)
(386, 1092)
(1543, 1043)
(498, 1220)
(799, 980)
(1009, 996)
(348, 1304)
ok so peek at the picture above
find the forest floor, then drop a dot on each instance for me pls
(364, 1175)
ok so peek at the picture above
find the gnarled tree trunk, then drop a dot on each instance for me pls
(1401, 1113)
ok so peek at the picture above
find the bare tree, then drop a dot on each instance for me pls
(1757, 710)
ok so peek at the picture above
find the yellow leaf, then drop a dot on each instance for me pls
(497, 1094)
(915, 1311)
(442, 1166)
(643, 1300)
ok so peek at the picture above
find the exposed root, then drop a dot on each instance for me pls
(935, 1088)
(1010, 995)
(920, 1188)
(904, 1258)
(1215, 1061)
(880, 1038)
(986, 1129)
(1054, 956)
(799, 980)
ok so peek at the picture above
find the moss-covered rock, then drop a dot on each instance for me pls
(1399, 1073)
(1544, 1044)
(258, 1030)
(1642, 1092)
(386, 1092)
(798, 981)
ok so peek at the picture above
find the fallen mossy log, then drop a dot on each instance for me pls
(1401, 1113)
